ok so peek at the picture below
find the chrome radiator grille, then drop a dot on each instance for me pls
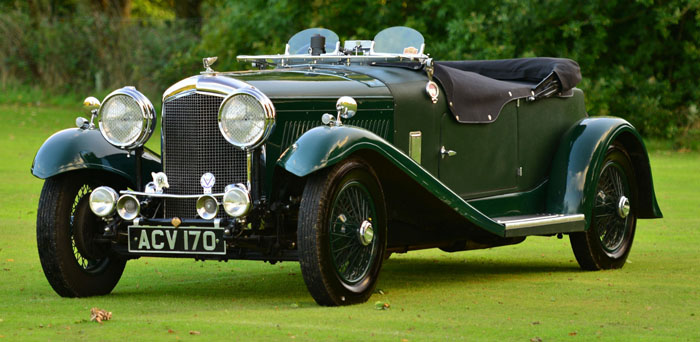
(192, 146)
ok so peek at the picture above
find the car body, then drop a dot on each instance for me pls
(337, 158)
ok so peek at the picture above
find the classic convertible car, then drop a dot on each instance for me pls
(337, 156)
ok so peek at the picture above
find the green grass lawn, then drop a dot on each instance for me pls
(516, 293)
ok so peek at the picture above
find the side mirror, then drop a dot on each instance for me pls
(91, 103)
(346, 106)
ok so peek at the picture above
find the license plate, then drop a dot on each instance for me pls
(181, 240)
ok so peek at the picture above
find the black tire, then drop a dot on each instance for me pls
(329, 234)
(73, 266)
(608, 240)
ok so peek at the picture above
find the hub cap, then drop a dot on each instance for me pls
(366, 233)
(623, 207)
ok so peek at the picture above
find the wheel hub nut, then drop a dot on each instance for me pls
(366, 233)
(623, 207)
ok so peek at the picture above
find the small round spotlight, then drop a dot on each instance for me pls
(103, 200)
(128, 207)
(236, 200)
(207, 207)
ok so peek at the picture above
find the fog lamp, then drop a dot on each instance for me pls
(128, 207)
(207, 207)
(103, 200)
(236, 200)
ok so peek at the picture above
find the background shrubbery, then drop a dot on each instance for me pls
(639, 59)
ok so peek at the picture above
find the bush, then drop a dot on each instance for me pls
(91, 52)
(639, 59)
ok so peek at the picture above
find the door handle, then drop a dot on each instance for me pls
(447, 153)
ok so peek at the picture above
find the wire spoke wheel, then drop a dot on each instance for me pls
(80, 203)
(341, 233)
(609, 224)
(608, 240)
(74, 261)
(351, 256)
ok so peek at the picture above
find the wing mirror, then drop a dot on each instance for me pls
(91, 104)
(346, 106)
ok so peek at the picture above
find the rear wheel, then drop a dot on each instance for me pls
(342, 234)
(608, 240)
(74, 262)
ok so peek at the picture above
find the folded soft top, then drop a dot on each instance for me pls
(477, 90)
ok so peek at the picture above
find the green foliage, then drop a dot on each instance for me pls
(639, 59)
(88, 51)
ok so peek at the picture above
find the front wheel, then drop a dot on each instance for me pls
(75, 263)
(342, 234)
(608, 240)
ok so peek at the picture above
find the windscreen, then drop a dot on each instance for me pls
(299, 43)
(398, 39)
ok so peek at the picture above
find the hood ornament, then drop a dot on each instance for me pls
(208, 62)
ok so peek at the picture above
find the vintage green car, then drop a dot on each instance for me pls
(337, 156)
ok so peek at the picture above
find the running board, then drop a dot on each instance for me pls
(542, 224)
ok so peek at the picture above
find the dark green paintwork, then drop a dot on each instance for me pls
(578, 160)
(485, 170)
(541, 126)
(324, 146)
(487, 155)
(513, 204)
(413, 110)
(76, 149)
(317, 83)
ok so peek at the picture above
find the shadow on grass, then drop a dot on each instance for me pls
(274, 285)
(432, 271)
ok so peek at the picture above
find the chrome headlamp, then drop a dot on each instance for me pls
(246, 118)
(127, 118)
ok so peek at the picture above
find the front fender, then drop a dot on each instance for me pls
(578, 161)
(324, 146)
(77, 149)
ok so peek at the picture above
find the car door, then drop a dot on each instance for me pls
(480, 159)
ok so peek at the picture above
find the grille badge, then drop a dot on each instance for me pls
(207, 181)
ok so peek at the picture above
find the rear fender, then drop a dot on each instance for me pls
(578, 161)
(77, 149)
(325, 146)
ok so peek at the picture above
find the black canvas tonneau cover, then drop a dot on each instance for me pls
(477, 90)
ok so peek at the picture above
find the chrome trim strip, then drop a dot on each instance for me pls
(378, 56)
(302, 97)
(536, 221)
(140, 193)
(249, 168)
(204, 84)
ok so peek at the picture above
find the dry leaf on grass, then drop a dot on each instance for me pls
(100, 315)
(379, 305)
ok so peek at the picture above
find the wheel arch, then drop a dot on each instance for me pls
(579, 158)
(75, 149)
